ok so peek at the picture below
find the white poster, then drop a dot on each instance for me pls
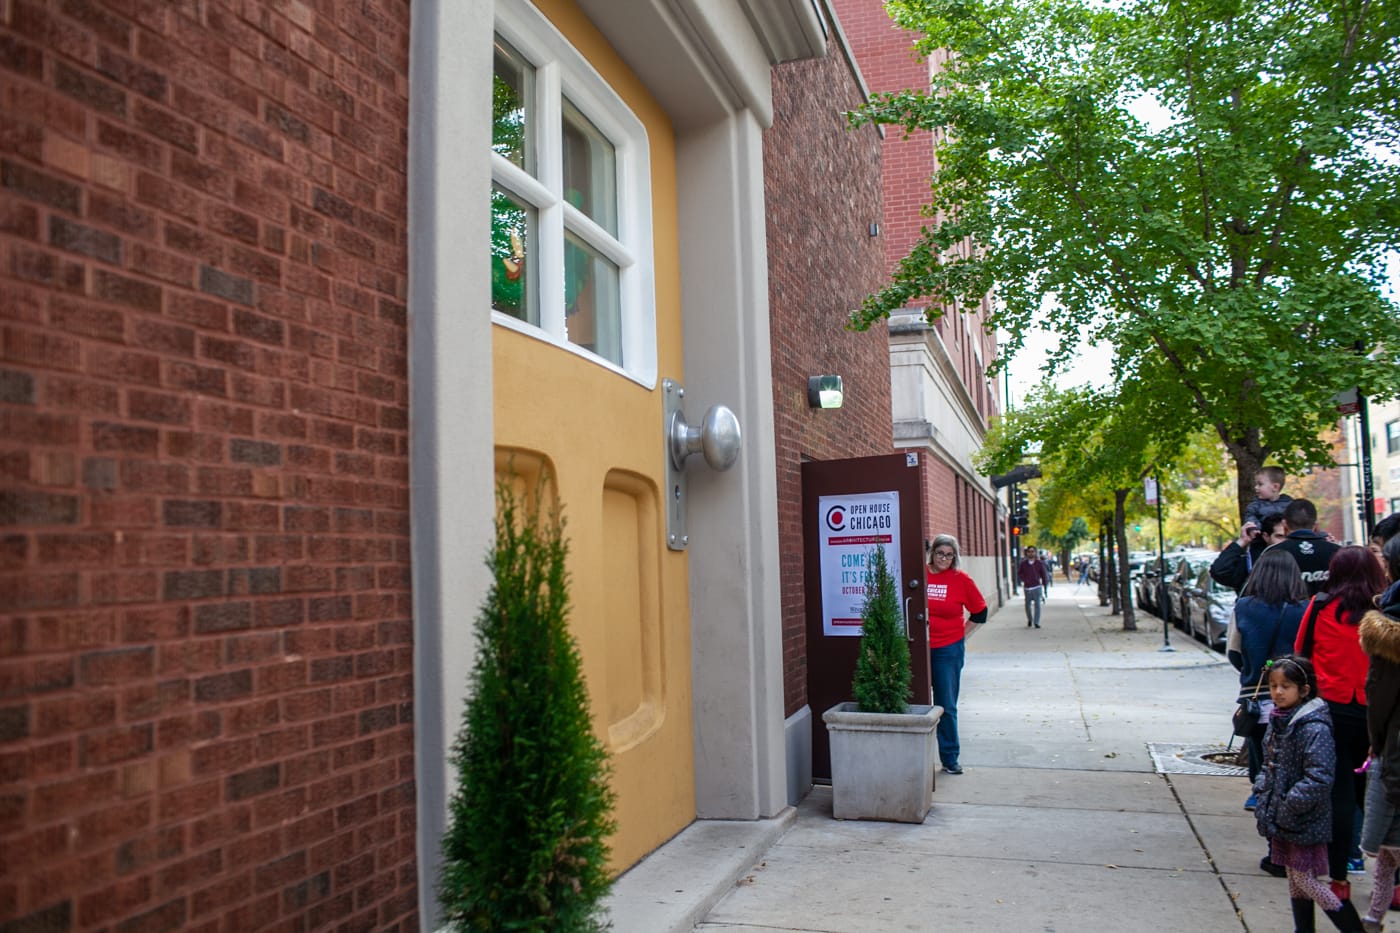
(851, 528)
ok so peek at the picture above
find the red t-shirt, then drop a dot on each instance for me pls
(951, 596)
(1337, 656)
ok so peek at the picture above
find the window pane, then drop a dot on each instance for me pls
(592, 311)
(590, 169)
(511, 109)
(512, 276)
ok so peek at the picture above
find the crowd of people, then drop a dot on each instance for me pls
(1316, 640)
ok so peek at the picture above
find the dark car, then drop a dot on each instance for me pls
(1207, 609)
(1147, 585)
(1184, 570)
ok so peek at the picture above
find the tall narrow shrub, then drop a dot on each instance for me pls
(525, 848)
(882, 671)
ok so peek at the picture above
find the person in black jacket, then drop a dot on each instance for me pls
(1309, 548)
(1233, 565)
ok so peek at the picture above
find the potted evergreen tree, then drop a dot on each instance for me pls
(525, 847)
(882, 748)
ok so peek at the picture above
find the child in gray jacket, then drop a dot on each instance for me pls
(1294, 791)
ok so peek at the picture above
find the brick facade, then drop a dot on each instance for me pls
(206, 658)
(885, 54)
(823, 191)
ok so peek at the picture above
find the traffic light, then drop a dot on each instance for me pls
(1020, 511)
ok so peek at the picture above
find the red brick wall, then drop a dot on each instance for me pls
(205, 657)
(822, 184)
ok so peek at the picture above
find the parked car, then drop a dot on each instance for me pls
(1186, 567)
(1147, 586)
(1138, 561)
(1207, 608)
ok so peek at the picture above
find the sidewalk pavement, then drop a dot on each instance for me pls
(1060, 823)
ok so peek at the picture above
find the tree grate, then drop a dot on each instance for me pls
(1173, 758)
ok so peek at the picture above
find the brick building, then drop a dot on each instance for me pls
(256, 388)
(942, 397)
(823, 185)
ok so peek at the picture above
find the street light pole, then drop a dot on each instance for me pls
(1162, 571)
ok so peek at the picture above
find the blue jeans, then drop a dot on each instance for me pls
(945, 670)
(1033, 596)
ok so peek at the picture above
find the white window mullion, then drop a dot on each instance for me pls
(520, 182)
(550, 164)
(583, 226)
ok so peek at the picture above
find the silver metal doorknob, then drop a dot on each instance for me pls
(717, 437)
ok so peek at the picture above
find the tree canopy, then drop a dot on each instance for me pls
(1210, 186)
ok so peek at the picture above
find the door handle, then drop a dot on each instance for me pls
(910, 616)
(717, 437)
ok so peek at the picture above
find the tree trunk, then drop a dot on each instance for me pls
(1125, 582)
(1103, 563)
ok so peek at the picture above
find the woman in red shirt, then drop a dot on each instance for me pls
(1330, 636)
(951, 593)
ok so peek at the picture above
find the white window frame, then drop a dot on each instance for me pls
(1392, 437)
(560, 71)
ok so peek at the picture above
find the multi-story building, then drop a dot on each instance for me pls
(942, 396)
(287, 288)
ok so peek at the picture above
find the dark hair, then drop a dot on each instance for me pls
(1298, 669)
(1354, 580)
(1275, 579)
(1386, 528)
(1391, 553)
(1300, 513)
(1275, 474)
(1269, 522)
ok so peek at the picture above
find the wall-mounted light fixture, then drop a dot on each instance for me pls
(824, 391)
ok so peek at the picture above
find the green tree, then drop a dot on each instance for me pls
(882, 679)
(1209, 187)
(525, 849)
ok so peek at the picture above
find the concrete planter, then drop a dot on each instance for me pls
(882, 763)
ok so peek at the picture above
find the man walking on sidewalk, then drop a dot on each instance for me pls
(1031, 573)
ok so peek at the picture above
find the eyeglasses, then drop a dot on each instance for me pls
(946, 555)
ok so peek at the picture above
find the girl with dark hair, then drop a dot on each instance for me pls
(1294, 792)
(1330, 637)
(1265, 625)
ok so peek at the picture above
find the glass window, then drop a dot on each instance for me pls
(512, 226)
(1392, 437)
(591, 300)
(510, 106)
(571, 202)
(590, 169)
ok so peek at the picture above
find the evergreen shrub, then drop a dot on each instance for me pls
(882, 680)
(525, 848)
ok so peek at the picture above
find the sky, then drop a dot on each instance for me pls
(1091, 366)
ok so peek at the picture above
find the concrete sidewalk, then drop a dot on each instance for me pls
(1060, 823)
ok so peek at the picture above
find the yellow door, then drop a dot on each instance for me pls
(586, 300)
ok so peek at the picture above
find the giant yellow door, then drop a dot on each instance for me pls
(578, 385)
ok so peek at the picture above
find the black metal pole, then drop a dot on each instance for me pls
(1162, 571)
(1368, 517)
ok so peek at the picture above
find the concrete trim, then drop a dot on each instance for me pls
(451, 458)
(675, 887)
(735, 599)
(797, 741)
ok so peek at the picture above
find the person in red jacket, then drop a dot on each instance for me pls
(954, 604)
(1330, 636)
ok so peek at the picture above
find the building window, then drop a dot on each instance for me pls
(1392, 437)
(570, 201)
